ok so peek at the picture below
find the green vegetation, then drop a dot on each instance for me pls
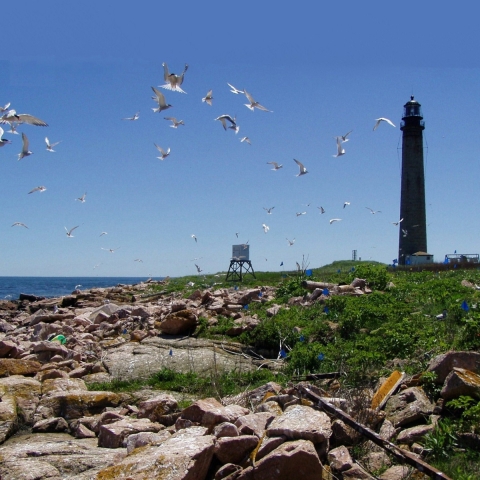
(192, 384)
(362, 337)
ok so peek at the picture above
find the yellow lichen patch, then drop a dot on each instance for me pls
(267, 395)
(307, 403)
(253, 455)
(386, 389)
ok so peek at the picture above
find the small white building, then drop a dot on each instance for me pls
(418, 258)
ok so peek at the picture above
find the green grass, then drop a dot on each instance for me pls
(192, 384)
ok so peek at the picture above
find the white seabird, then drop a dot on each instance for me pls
(382, 119)
(37, 189)
(340, 149)
(135, 117)
(208, 98)
(266, 228)
(25, 151)
(13, 117)
(19, 224)
(175, 122)
(246, 139)
(290, 242)
(276, 166)
(3, 141)
(253, 104)
(234, 90)
(69, 232)
(224, 118)
(335, 220)
(160, 99)
(50, 145)
(173, 81)
(164, 154)
(82, 198)
(303, 170)
(269, 210)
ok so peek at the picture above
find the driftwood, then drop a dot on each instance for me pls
(387, 389)
(313, 285)
(402, 455)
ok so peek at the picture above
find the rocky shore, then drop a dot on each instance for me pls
(53, 427)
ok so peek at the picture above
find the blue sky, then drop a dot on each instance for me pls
(323, 70)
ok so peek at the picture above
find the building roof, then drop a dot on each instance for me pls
(422, 254)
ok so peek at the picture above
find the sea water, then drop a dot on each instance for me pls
(11, 287)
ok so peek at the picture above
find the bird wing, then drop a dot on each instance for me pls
(250, 98)
(47, 142)
(1, 133)
(180, 78)
(31, 120)
(346, 135)
(388, 121)
(261, 107)
(71, 230)
(302, 167)
(160, 97)
(173, 119)
(377, 124)
(165, 71)
(25, 143)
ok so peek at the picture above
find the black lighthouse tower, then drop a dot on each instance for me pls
(413, 228)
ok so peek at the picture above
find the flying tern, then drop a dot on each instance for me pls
(269, 210)
(276, 166)
(373, 211)
(322, 210)
(50, 145)
(266, 228)
(234, 90)
(343, 138)
(303, 170)
(160, 99)
(345, 204)
(194, 237)
(4, 108)
(3, 141)
(173, 81)
(208, 97)
(198, 268)
(224, 118)
(381, 119)
(300, 213)
(340, 149)
(25, 151)
(246, 139)
(111, 250)
(253, 104)
(175, 122)
(135, 117)
(82, 198)
(335, 220)
(164, 154)
(290, 242)
(397, 223)
(38, 189)
(69, 232)
(103, 233)
(19, 224)
(13, 117)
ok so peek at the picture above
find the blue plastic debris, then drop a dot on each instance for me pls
(260, 294)
(171, 353)
(321, 356)
(326, 310)
(325, 291)
(465, 306)
(283, 353)
(308, 273)
(302, 338)
(245, 307)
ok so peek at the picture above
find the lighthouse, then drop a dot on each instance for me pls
(413, 228)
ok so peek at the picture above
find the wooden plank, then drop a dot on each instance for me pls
(401, 455)
(387, 389)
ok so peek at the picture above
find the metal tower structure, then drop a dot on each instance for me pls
(413, 228)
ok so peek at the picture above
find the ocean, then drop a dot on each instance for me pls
(11, 287)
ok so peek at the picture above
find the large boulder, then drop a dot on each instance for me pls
(114, 435)
(13, 366)
(179, 323)
(443, 364)
(408, 406)
(301, 422)
(234, 449)
(156, 407)
(290, 460)
(185, 455)
(461, 382)
(26, 392)
(8, 416)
